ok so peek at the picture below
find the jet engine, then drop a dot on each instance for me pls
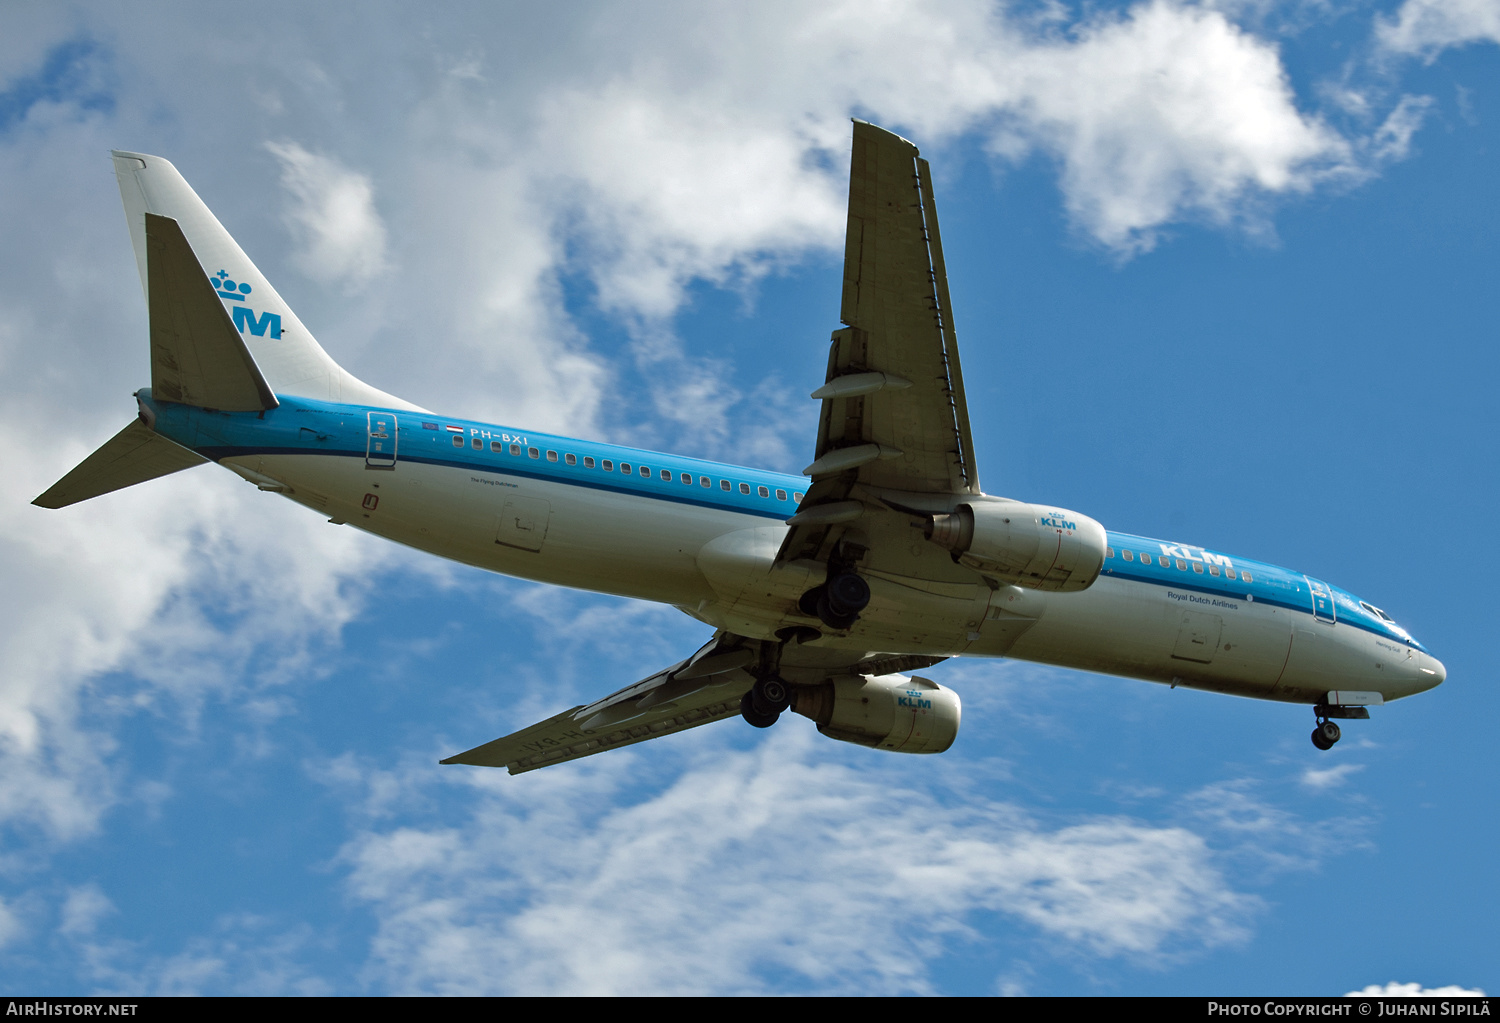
(1027, 544)
(907, 715)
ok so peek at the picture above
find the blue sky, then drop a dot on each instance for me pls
(1222, 273)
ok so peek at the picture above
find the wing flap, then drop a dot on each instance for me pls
(893, 374)
(894, 417)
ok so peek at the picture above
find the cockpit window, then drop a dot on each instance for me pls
(1377, 612)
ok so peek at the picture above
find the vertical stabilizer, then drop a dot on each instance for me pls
(285, 351)
(197, 355)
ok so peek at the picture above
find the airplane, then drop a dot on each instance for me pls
(823, 591)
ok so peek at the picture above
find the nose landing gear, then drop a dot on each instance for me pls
(1326, 734)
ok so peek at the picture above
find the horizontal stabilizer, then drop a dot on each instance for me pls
(657, 706)
(134, 455)
(197, 355)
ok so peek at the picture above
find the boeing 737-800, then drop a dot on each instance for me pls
(884, 557)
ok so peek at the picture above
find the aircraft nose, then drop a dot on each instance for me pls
(1431, 671)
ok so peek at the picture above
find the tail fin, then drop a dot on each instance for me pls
(197, 355)
(134, 455)
(285, 351)
(197, 358)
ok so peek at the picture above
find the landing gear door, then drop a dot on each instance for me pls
(523, 523)
(1198, 638)
(1322, 601)
(380, 440)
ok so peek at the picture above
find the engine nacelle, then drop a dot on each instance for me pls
(1027, 544)
(907, 715)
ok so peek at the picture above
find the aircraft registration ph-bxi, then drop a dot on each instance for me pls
(888, 558)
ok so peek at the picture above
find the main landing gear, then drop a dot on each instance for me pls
(838, 602)
(765, 701)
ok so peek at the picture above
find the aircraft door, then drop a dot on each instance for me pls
(1322, 601)
(380, 440)
(523, 523)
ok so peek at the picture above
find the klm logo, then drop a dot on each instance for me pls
(245, 318)
(913, 699)
(1056, 521)
(1177, 550)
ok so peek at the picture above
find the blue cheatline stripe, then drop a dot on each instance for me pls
(1276, 582)
(303, 428)
(1352, 622)
(685, 496)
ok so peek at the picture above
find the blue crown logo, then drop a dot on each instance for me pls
(229, 289)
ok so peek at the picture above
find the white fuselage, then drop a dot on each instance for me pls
(716, 565)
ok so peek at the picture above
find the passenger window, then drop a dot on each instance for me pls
(724, 485)
(763, 491)
(1145, 558)
(533, 453)
(1247, 577)
(1109, 552)
(797, 497)
(458, 441)
(1213, 569)
(666, 475)
(781, 495)
(704, 481)
(496, 446)
(571, 459)
(588, 461)
(1198, 568)
(687, 479)
(625, 468)
(1229, 572)
(607, 465)
(1181, 565)
(744, 488)
(477, 444)
(1130, 555)
(551, 456)
(515, 449)
(646, 471)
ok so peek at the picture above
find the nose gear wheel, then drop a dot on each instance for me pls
(1326, 734)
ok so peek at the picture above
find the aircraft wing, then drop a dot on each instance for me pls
(704, 688)
(894, 415)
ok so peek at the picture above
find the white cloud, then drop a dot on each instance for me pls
(1426, 27)
(1396, 989)
(340, 236)
(755, 865)
(11, 927)
(632, 154)
(1166, 112)
(83, 909)
(243, 954)
(1320, 779)
(194, 585)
